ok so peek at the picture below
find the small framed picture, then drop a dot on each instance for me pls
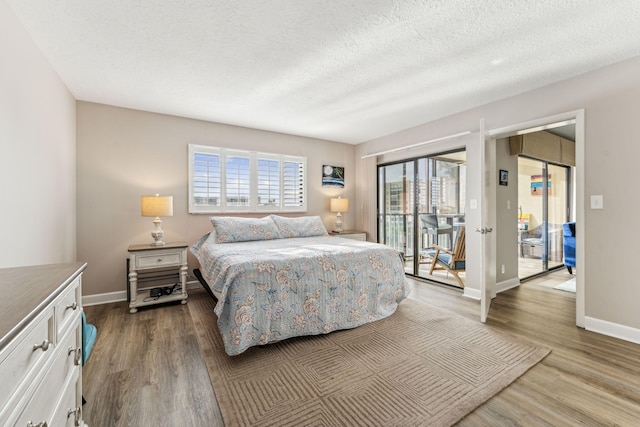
(332, 176)
(504, 177)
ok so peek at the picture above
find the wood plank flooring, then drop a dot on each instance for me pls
(148, 369)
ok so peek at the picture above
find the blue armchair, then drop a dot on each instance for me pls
(569, 245)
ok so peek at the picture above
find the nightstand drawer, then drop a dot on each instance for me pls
(158, 260)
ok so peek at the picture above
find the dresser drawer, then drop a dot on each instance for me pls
(69, 408)
(21, 362)
(158, 260)
(53, 389)
(68, 306)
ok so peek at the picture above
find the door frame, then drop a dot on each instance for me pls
(487, 221)
(546, 123)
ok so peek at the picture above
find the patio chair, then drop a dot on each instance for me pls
(451, 261)
(432, 227)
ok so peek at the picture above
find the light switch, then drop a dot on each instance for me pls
(597, 202)
(508, 204)
(473, 204)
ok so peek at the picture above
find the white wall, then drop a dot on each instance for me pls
(611, 100)
(124, 154)
(37, 154)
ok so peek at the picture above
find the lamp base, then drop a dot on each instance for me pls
(157, 233)
(338, 223)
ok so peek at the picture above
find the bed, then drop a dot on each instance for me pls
(277, 277)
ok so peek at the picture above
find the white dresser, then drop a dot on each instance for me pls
(41, 346)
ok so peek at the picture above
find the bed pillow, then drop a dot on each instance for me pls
(210, 235)
(238, 229)
(302, 226)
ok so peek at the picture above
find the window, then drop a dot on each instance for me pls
(226, 180)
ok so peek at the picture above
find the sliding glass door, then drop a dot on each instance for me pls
(421, 203)
(396, 194)
(543, 203)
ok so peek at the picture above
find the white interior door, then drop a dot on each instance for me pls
(487, 221)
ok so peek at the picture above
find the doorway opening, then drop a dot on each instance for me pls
(543, 208)
(577, 120)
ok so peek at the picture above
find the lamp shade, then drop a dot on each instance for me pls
(339, 205)
(156, 205)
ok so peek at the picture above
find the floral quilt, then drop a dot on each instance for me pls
(276, 289)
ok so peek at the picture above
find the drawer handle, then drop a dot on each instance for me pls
(76, 415)
(72, 306)
(44, 347)
(159, 259)
(40, 424)
(77, 356)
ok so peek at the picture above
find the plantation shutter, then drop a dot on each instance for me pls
(268, 183)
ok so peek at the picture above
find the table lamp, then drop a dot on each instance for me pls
(156, 206)
(339, 205)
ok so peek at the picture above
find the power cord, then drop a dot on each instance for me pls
(156, 293)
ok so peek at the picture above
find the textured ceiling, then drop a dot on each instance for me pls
(337, 70)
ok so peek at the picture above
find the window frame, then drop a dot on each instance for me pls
(252, 207)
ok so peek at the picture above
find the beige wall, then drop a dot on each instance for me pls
(37, 154)
(611, 100)
(123, 154)
(506, 214)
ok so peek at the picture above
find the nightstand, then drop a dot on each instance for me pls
(146, 258)
(352, 234)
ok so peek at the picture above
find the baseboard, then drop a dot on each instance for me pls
(507, 284)
(500, 287)
(118, 296)
(472, 293)
(611, 329)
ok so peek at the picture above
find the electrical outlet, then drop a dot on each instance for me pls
(502, 269)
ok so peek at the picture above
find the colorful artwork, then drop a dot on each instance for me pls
(523, 221)
(332, 176)
(536, 185)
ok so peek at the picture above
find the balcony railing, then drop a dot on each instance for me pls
(396, 231)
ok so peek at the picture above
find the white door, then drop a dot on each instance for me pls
(487, 221)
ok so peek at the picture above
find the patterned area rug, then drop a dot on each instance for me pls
(420, 366)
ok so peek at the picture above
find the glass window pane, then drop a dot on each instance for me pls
(268, 182)
(206, 180)
(237, 181)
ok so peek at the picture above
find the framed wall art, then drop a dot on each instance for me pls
(504, 177)
(536, 185)
(332, 176)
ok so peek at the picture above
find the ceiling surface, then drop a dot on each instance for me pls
(347, 71)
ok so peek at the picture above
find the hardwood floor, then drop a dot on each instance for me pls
(147, 368)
